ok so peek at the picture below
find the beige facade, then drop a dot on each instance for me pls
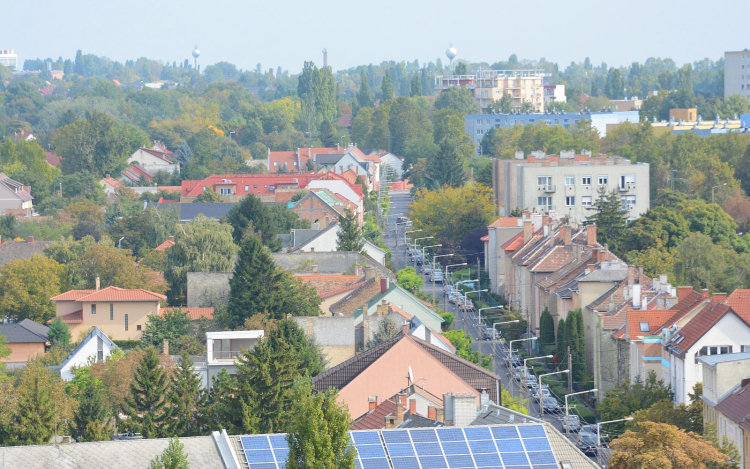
(488, 86)
(23, 352)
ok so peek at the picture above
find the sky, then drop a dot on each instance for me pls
(288, 32)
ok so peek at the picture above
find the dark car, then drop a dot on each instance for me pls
(587, 442)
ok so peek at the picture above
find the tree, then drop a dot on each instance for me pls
(327, 134)
(147, 409)
(26, 285)
(701, 263)
(320, 439)
(451, 213)
(113, 267)
(170, 325)
(659, 445)
(457, 98)
(546, 329)
(184, 398)
(416, 86)
(174, 457)
(574, 335)
(209, 196)
(349, 235)
(218, 404)
(364, 97)
(609, 218)
(205, 245)
(251, 214)
(627, 398)
(386, 330)
(407, 121)
(409, 279)
(387, 87)
(90, 422)
(59, 333)
(562, 340)
(447, 168)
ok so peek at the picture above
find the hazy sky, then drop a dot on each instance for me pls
(287, 32)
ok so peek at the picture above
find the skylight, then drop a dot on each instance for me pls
(644, 326)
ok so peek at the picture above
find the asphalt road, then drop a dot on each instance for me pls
(468, 321)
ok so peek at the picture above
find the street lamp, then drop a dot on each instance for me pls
(415, 247)
(567, 427)
(424, 261)
(541, 405)
(712, 191)
(494, 328)
(525, 372)
(434, 262)
(479, 319)
(458, 292)
(405, 240)
(464, 305)
(599, 433)
(452, 265)
(510, 344)
(119, 243)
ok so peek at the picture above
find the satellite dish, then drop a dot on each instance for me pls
(411, 376)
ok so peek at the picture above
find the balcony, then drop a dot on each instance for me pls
(629, 186)
(549, 188)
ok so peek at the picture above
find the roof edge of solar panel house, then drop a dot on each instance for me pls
(494, 446)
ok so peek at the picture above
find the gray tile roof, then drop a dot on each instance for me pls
(136, 454)
(24, 332)
(12, 250)
(606, 275)
(211, 210)
(328, 158)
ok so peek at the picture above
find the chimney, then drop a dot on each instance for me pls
(98, 284)
(372, 402)
(171, 238)
(432, 412)
(412, 407)
(592, 267)
(631, 275)
(402, 400)
(439, 414)
(636, 296)
(591, 235)
(528, 231)
(165, 347)
(567, 235)
(384, 285)
(382, 309)
(601, 255)
(717, 298)
(640, 273)
(704, 292)
(682, 292)
(30, 239)
(390, 421)
(400, 412)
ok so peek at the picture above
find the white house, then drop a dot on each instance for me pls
(154, 160)
(326, 241)
(94, 348)
(716, 330)
(396, 163)
(222, 349)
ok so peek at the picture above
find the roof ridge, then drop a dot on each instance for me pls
(461, 360)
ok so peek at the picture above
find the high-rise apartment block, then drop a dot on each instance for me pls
(737, 73)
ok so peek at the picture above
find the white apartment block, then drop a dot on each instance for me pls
(737, 73)
(487, 86)
(569, 184)
(9, 58)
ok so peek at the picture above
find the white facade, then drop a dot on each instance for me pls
(222, 350)
(9, 58)
(151, 163)
(737, 73)
(327, 239)
(730, 332)
(569, 184)
(554, 94)
(395, 163)
(94, 348)
(340, 187)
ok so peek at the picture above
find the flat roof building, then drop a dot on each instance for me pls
(737, 73)
(9, 58)
(568, 184)
(488, 86)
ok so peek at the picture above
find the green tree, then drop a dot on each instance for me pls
(174, 457)
(362, 126)
(170, 325)
(320, 439)
(546, 329)
(26, 285)
(59, 332)
(251, 214)
(147, 408)
(627, 398)
(327, 134)
(416, 86)
(90, 422)
(447, 168)
(364, 97)
(457, 98)
(609, 218)
(574, 335)
(451, 213)
(701, 263)
(184, 398)
(205, 245)
(386, 88)
(25, 162)
(349, 235)
(562, 340)
(209, 196)
(409, 279)
(408, 120)
(386, 330)
(218, 404)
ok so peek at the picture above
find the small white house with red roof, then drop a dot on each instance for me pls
(154, 159)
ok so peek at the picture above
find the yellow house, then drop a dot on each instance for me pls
(121, 314)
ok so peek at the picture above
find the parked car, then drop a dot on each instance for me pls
(453, 297)
(401, 219)
(517, 373)
(467, 305)
(490, 333)
(545, 393)
(571, 423)
(592, 429)
(551, 405)
(427, 269)
(449, 288)
(587, 442)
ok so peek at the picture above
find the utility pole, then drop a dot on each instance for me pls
(479, 280)
(570, 375)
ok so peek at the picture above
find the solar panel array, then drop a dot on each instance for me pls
(493, 447)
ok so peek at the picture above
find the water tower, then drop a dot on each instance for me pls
(451, 53)
(196, 54)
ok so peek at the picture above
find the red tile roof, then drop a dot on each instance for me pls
(736, 406)
(485, 238)
(375, 418)
(654, 320)
(162, 200)
(739, 300)
(135, 172)
(707, 318)
(286, 159)
(683, 308)
(331, 285)
(109, 294)
(75, 317)
(192, 313)
(159, 154)
(168, 243)
(373, 158)
(350, 175)
(112, 181)
(506, 222)
(513, 243)
(258, 184)
(52, 159)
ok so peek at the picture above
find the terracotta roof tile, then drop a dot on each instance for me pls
(682, 308)
(168, 243)
(375, 418)
(73, 318)
(485, 238)
(109, 294)
(286, 159)
(192, 313)
(736, 406)
(555, 259)
(72, 295)
(159, 154)
(331, 285)
(739, 300)
(707, 318)
(506, 222)
(359, 296)
(513, 243)
(652, 321)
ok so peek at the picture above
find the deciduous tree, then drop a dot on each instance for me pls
(174, 457)
(609, 218)
(450, 213)
(26, 285)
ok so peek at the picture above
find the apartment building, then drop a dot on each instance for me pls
(737, 73)
(569, 184)
(9, 58)
(488, 86)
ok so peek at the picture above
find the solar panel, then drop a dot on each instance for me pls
(494, 447)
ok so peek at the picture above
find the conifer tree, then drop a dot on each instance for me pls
(562, 340)
(185, 398)
(320, 439)
(609, 218)
(147, 405)
(446, 168)
(546, 329)
(350, 235)
(217, 406)
(327, 134)
(35, 417)
(90, 422)
(575, 337)
(174, 457)
(416, 86)
(387, 87)
(310, 359)
(364, 97)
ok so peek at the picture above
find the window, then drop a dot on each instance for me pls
(627, 181)
(644, 326)
(247, 188)
(627, 201)
(586, 200)
(111, 312)
(544, 180)
(746, 348)
(586, 180)
(715, 350)
(93, 308)
(225, 191)
(570, 201)
(99, 349)
(126, 322)
(275, 163)
(570, 180)
(603, 179)
(255, 186)
(138, 327)
(544, 203)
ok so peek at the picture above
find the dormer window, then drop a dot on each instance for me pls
(644, 326)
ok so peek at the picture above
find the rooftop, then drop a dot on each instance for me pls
(109, 294)
(24, 332)
(713, 360)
